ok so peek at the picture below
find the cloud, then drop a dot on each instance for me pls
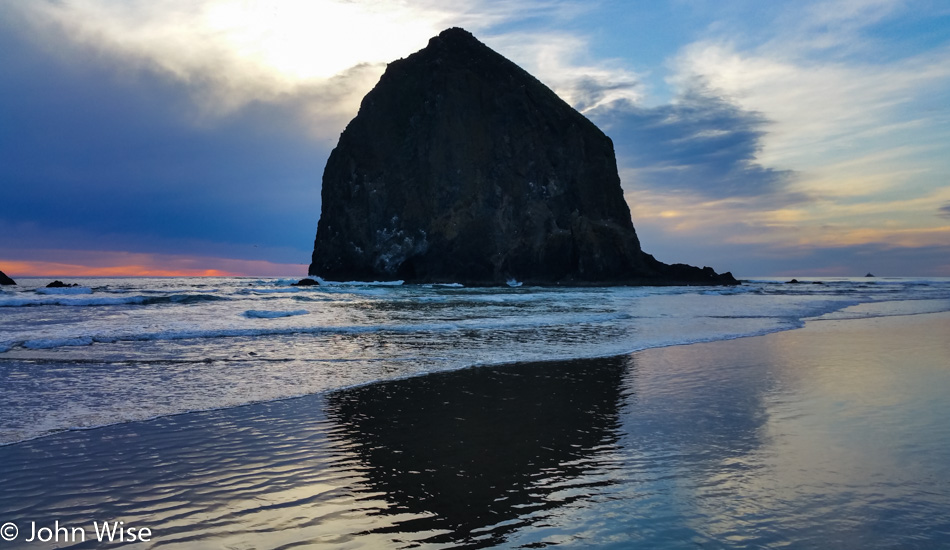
(819, 106)
(563, 62)
(90, 155)
(699, 145)
(230, 53)
(841, 128)
(177, 127)
(764, 259)
(201, 127)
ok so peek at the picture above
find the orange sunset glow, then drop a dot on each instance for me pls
(125, 264)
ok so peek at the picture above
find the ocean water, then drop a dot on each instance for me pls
(118, 350)
(832, 435)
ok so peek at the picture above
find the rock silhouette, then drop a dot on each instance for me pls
(60, 284)
(462, 167)
(4, 280)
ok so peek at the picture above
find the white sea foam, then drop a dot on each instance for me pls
(358, 283)
(24, 301)
(210, 334)
(482, 324)
(266, 314)
(271, 290)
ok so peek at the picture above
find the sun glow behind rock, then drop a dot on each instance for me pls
(231, 53)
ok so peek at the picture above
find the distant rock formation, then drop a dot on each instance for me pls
(462, 167)
(60, 284)
(4, 280)
(305, 282)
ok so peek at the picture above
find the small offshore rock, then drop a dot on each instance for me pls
(60, 284)
(305, 282)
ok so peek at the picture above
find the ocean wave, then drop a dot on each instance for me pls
(267, 314)
(64, 290)
(82, 301)
(359, 283)
(243, 332)
(284, 290)
(50, 343)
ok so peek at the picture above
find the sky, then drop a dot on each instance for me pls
(188, 137)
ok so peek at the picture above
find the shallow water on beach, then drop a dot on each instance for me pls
(118, 350)
(833, 436)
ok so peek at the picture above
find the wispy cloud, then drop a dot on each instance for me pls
(563, 61)
(816, 106)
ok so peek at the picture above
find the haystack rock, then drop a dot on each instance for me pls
(462, 167)
(4, 280)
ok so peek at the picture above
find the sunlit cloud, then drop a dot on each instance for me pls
(234, 52)
(231, 52)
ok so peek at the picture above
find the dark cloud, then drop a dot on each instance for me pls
(699, 145)
(120, 159)
(587, 92)
(944, 211)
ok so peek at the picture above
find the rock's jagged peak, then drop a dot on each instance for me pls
(462, 167)
(455, 38)
(455, 51)
(454, 41)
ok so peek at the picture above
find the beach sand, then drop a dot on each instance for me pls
(834, 436)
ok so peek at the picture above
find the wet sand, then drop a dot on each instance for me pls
(832, 436)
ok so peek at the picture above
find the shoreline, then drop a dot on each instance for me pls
(482, 456)
(804, 323)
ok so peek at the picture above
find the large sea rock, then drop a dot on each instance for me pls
(4, 280)
(462, 167)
